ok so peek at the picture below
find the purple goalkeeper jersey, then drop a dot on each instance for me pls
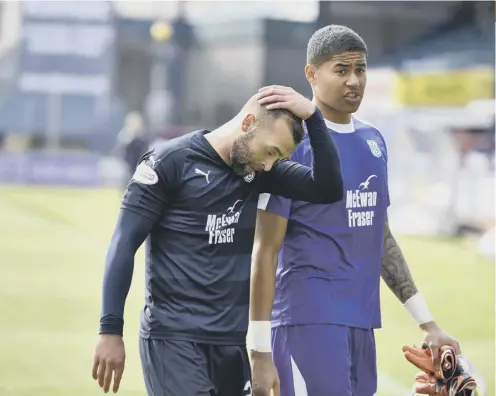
(330, 262)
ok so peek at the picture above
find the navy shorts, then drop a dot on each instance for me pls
(182, 368)
(330, 360)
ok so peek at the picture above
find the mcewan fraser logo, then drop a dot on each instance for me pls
(361, 204)
(221, 227)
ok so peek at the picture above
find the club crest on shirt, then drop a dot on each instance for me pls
(249, 177)
(374, 148)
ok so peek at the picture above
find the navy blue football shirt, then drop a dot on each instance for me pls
(198, 251)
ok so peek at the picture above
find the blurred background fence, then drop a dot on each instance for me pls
(70, 72)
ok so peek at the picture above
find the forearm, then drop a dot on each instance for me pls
(327, 177)
(397, 276)
(116, 285)
(129, 234)
(395, 271)
(262, 290)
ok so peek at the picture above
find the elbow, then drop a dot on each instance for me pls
(332, 194)
(336, 193)
(122, 244)
(120, 255)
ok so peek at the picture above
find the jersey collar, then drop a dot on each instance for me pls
(341, 128)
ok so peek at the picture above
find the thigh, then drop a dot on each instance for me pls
(231, 373)
(313, 360)
(364, 364)
(172, 368)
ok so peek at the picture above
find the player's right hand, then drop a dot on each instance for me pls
(108, 361)
(264, 374)
(280, 97)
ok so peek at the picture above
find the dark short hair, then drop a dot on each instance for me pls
(295, 123)
(333, 40)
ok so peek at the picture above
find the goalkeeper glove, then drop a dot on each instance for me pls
(449, 379)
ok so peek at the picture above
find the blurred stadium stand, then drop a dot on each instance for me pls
(69, 75)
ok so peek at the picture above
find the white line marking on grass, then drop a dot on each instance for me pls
(391, 386)
(83, 240)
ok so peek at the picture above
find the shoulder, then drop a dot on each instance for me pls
(361, 124)
(164, 163)
(172, 152)
(174, 148)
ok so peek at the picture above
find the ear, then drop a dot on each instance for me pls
(310, 73)
(248, 121)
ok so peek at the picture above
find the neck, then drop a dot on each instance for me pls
(332, 114)
(222, 139)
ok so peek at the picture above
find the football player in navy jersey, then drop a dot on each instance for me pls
(195, 201)
(317, 268)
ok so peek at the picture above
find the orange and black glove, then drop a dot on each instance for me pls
(449, 379)
(422, 359)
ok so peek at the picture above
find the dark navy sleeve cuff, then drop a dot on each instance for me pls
(315, 119)
(111, 324)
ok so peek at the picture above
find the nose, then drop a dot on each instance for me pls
(353, 81)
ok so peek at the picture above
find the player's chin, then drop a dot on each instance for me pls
(351, 106)
(239, 168)
(242, 172)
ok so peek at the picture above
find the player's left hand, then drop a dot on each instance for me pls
(280, 97)
(435, 337)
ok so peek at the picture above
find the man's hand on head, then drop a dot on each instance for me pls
(279, 97)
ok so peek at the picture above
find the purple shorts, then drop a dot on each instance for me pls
(325, 360)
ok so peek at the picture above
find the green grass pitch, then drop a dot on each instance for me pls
(52, 249)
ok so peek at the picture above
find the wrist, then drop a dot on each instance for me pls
(111, 324)
(428, 326)
(258, 337)
(254, 355)
(311, 112)
(110, 335)
(110, 330)
(314, 115)
(418, 310)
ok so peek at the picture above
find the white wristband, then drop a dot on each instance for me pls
(258, 337)
(417, 307)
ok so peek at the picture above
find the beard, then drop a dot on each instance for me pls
(240, 155)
